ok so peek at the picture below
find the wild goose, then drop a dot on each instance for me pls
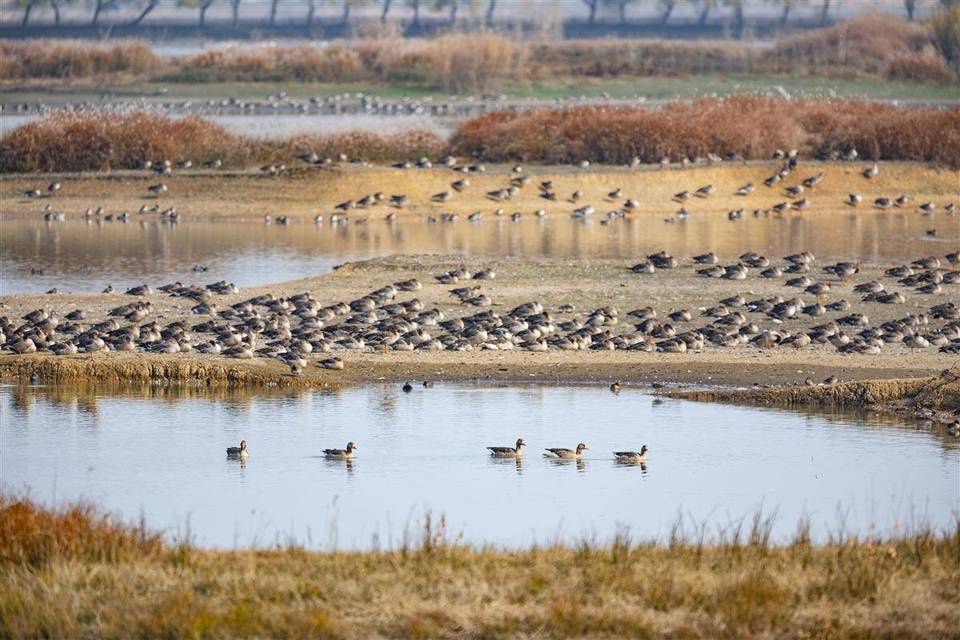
(632, 456)
(157, 189)
(853, 199)
(238, 452)
(341, 454)
(871, 172)
(508, 452)
(745, 190)
(567, 454)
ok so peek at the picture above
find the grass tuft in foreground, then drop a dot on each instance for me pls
(102, 579)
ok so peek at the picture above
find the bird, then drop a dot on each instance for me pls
(871, 172)
(632, 456)
(407, 387)
(508, 452)
(238, 452)
(615, 387)
(341, 454)
(567, 454)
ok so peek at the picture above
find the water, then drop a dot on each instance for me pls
(278, 126)
(77, 256)
(160, 453)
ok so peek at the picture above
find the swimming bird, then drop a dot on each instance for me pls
(568, 454)
(615, 387)
(238, 452)
(508, 452)
(341, 454)
(632, 456)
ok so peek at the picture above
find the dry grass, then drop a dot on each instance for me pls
(34, 536)
(91, 142)
(865, 46)
(751, 127)
(66, 59)
(730, 584)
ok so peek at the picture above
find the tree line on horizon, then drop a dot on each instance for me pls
(452, 8)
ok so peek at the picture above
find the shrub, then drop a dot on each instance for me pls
(751, 127)
(74, 59)
(92, 142)
(919, 67)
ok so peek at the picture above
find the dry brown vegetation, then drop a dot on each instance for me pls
(65, 59)
(751, 127)
(90, 142)
(873, 45)
(101, 579)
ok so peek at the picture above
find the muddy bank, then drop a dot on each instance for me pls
(709, 370)
(934, 397)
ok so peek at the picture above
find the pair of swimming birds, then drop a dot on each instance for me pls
(568, 454)
(333, 454)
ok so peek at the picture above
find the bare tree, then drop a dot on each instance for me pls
(592, 4)
(150, 6)
(386, 10)
(28, 6)
(273, 12)
(668, 7)
(235, 10)
(911, 7)
(738, 21)
(99, 7)
(706, 6)
(491, 7)
(415, 5)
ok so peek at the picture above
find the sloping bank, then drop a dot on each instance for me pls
(936, 397)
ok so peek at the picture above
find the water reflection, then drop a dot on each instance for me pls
(76, 256)
(159, 450)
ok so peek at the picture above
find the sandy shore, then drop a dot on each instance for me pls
(585, 284)
(302, 192)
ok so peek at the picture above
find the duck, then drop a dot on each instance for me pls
(508, 452)
(615, 387)
(567, 454)
(341, 454)
(632, 456)
(238, 452)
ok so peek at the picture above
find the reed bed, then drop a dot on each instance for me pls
(76, 59)
(730, 583)
(91, 142)
(748, 126)
(873, 45)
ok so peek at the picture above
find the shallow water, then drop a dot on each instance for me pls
(77, 256)
(160, 452)
(276, 126)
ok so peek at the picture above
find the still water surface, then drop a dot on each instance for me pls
(77, 256)
(160, 453)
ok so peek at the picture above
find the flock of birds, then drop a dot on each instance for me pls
(297, 328)
(516, 451)
(617, 205)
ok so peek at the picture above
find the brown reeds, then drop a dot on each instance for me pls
(734, 583)
(34, 536)
(751, 127)
(748, 126)
(483, 62)
(65, 59)
(92, 142)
